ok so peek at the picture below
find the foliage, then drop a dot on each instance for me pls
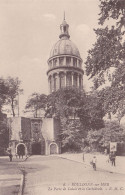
(9, 90)
(113, 101)
(35, 102)
(77, 112)
(4, 134)
(112, 132)
(65, 105)
(65, 102)
(112, 9)
(91, 113)
(106, 60)
(3, 92)
(72, 135)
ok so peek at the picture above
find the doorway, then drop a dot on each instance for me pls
(21, 149)
(36, 149)
(53, 149)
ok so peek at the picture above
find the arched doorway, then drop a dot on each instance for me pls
(53, 148)
(36, 148)
(21, 149)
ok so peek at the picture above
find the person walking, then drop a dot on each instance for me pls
(110, 157)
(19, 154)
(113, 158)
(22, 154)
(10, 156)
(94, 160)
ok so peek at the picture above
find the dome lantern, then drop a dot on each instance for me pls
(64, 29)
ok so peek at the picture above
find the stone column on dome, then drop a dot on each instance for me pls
(82, 81)
(64, 62)
(78, 80)
(57, 61)
(72, 78)
(77, 63)
(71, 61)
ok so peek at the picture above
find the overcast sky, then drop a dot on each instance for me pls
(28, 30)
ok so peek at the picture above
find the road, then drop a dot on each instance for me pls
(10, 176)
(52, 175)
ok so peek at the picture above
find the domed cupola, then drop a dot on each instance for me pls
(65, 63)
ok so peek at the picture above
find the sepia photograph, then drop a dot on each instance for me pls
(62, 97)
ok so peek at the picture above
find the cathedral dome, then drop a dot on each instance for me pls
(64, 47)
(64, 63)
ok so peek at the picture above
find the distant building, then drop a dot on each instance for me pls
(41, 135)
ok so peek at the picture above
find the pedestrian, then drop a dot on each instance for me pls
(10, 156)
(109, 157)
(94, 160)
(19, 154)
(113, 158)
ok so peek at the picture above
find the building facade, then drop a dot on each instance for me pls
(34, 136)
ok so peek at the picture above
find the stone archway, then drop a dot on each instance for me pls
(21, 149)
(53, 148)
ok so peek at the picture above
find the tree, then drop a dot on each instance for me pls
(3, 92)
(13, 86)
(65, 103)
(77, 112)
(99, 140)
(91, 113)
(106, 60)
(72, 135)
(36, 102)
(4, 134)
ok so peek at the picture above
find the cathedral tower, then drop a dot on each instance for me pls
(64, 63)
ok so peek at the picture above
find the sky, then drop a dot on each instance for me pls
(30, 28)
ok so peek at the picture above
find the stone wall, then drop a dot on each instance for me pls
(47, 129)
(56, 124)
(34, 132)
(26, 128)
(14, 125)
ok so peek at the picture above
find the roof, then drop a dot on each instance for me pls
(64, 47)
